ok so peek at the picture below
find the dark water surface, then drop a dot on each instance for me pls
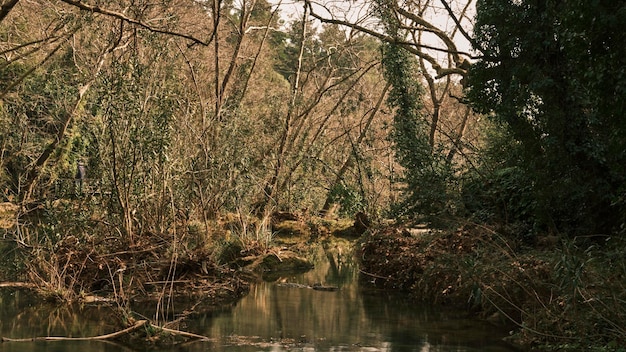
(274, 316)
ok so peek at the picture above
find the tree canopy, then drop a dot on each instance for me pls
(552, 72)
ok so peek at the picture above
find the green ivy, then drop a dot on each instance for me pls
(552, 76)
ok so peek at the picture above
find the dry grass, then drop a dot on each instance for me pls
(8, 215)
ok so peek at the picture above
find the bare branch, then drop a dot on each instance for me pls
(256, 28)
(457, 21)
(241, 31)
(21, 46)
(451, 46)
(97, 9)
(412, 47)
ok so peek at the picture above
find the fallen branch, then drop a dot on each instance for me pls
(374, 275)
(138, 325)
(184, 333)
(17, 285)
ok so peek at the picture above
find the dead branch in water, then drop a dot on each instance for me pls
(138, 325)
(184, 333)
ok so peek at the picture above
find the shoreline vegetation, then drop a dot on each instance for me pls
(560, 294)
(555, 294)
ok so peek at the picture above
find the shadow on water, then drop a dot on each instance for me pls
(284, 315)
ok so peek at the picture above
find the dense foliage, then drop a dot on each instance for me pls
(168, 123)
(425, 175)
(427, 178)
(553, 77)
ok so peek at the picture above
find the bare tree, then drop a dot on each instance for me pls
(270, 187)
(433, 32)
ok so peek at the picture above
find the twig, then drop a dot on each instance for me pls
(184, 333)
(150, 249)
(167, 282)
(17, 285)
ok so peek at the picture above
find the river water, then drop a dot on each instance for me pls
(281, 315)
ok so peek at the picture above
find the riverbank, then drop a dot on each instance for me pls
(284, 314)
(565, 295)
(68, 253)
(554, 294)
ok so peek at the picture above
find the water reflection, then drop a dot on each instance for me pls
(22, 316)
(276, 317)
(279, 317)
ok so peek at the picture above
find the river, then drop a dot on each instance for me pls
(284, 314)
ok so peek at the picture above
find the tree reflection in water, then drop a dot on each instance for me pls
(276, 317)
(282, 317)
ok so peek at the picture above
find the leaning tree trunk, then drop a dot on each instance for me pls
(35, 172)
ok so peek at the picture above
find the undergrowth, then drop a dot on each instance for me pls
(567, 296)
(70, 253)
